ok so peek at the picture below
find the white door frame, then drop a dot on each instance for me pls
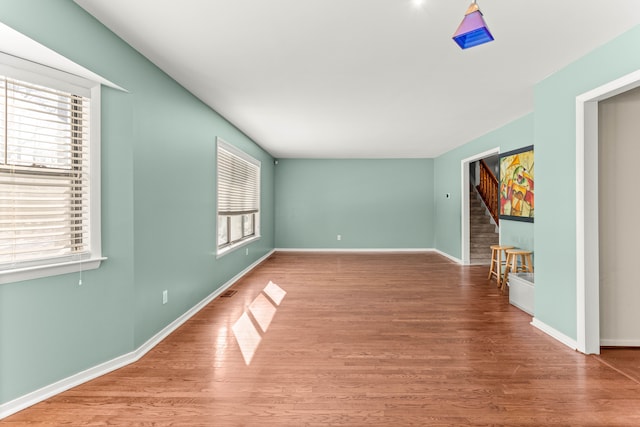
(465, 225)
(587, 245)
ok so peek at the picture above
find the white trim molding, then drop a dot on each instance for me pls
(65, 384)
(564, 339)
(587, 227)
(446, 255)
(355, 250)
(38, 271)
(465, 225)
(378, 250)
(16, 44)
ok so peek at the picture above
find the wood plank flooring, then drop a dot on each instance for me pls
(357, 340)
(624, 359)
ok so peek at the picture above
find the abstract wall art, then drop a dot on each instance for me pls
(516, 195)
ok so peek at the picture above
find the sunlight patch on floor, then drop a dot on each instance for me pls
(248, 337)
(275, 292)
(261, 313)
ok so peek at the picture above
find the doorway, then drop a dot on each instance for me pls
(587, 207)
(465, 209)
(619, 233)
(618, 150)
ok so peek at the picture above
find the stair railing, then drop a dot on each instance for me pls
(488, 189)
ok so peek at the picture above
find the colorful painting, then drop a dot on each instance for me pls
(516, 199)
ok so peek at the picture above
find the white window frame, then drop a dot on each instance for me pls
(223, 250)
(31, 72)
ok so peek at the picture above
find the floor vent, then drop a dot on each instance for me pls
(228, 294)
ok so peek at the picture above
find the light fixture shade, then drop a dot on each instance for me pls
(472, 30)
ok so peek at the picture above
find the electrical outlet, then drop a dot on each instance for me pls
(339, 236)
(165, 296)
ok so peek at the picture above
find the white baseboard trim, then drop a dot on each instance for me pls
(568, 341)
(355, 250)
(379, 250)
(611, 342)
(369, 250)
(65, 384)
(446, 255)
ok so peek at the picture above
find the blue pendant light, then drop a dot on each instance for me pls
(472, 30)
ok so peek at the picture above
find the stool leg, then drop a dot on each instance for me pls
(511, 260)
(529, 263)
(499, 279)
(522, 265)
(504, 279)
(500, 271)
(493, 258)
(502, 264)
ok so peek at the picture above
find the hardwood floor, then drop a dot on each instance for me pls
(624, 359)
(357, 340)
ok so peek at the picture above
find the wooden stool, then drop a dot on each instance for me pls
(496, 261)
(512, 265)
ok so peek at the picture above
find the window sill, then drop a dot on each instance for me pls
(40, 271)
(229, 249)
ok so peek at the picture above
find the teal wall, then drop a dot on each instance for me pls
(448, 175)
(158, 213)
(555, 140)
(371, 203)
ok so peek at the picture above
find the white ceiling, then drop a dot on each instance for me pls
(362, 78)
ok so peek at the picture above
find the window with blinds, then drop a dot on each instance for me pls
(44, 173)
(238, 197)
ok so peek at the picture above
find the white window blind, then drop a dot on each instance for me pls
(44, 173)
(238, 196)
(238, 191)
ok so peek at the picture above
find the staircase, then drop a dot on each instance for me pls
(483, 232)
